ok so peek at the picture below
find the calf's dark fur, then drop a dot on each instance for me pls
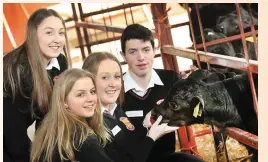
(226, 103)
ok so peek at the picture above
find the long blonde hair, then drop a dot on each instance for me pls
(92, 63)
(25, 65)
(63, 131)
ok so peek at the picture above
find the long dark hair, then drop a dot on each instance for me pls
(23, 67)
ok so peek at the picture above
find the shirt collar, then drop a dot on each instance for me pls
(53, 63)
(130, 83)
(112, 108)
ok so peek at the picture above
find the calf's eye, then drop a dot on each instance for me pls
(236, 27)
(173, 105)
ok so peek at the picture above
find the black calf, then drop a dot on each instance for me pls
(226, 103)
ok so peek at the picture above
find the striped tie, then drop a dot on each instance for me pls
(108, 114)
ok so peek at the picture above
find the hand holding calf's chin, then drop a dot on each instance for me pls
(156, 130)
(147, 120)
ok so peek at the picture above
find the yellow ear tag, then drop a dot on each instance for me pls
(196, 110)
(250, 39)
(200, 112)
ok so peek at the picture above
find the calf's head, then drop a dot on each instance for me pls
(229, 23)
(178, 108)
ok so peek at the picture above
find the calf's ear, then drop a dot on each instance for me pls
(197, 105)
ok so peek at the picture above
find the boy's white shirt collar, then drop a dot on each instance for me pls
(112, 108)
(130, 83)
(53, 63)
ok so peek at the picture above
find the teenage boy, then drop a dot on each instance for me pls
(144, 86)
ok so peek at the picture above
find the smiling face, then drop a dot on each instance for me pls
(82, 99)
(51, 37)
(139, 56)
(108, 82)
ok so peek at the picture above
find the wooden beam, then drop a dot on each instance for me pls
(212, 58)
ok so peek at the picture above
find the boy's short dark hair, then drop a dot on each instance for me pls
(136, 31)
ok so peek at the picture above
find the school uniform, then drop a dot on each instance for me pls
(17, 115)
(138, 102)
(90, 151)
(125, 146)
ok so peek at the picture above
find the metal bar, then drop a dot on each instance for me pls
(201, 31)
(131, 15)
(125, 16)
(159, 13)
(183, 138)
(193, 37)
(227, 61)
(202, 132)
(111, 22)
(78, 32)
(253, 29)
(191, 139)
(247, 58)
(179, 25)
(104, 22)
(99, 27)
(242, 31)
(108, 10)
(102, 27)
(114, 9)
(243, 137)
(86, 37)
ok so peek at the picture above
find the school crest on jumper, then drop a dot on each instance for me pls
(127, 123)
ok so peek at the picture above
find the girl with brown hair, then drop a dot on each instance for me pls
(28, 73)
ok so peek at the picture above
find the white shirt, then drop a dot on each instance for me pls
(53, 63)
(111, 108)
(130, 83)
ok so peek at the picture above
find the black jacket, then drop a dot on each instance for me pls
(125, 146)
(90, 151)
(166, 144)
(17, 115)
